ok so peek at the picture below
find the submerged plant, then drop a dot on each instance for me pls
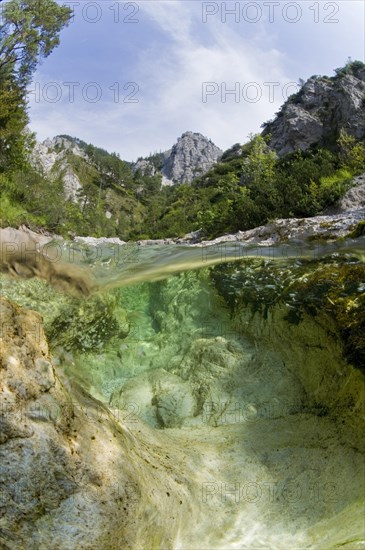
(358, 231)
(88, 325)
(334, 288)
(338, 291)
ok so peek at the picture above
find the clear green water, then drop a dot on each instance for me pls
(257, 403)
(113, 266)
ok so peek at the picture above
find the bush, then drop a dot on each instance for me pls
(10, 213)
(352, 153)
(332, 188)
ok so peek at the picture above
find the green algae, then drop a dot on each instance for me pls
(338, 291)
(34, 294)
(78, 325)
(334, 288)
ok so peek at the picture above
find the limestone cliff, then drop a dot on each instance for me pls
(50, 159)
(192, 155)
(317, 113)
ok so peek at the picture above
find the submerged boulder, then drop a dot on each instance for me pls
(72, 475)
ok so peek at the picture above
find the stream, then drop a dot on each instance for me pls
(228, 362)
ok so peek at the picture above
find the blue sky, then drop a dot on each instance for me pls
(131, 77)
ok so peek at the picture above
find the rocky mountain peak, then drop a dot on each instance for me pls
(320, 110)
(192, 155)
(63, 143)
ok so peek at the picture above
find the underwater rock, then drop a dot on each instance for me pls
(162, 399)
(274, 471)
(71, 472)
(312, 351)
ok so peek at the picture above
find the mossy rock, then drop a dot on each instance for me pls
(358, 231)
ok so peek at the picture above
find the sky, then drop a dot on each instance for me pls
(131, 77)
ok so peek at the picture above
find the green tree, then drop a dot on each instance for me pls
(29, 31)
(350, 68)
(258, 168)
(13, 119)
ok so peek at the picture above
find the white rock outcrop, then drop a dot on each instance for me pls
(50, 159)
(315, 115)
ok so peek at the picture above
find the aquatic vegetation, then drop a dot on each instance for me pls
(88, 325)
(334, 288)
(75, 324)
(337, 290)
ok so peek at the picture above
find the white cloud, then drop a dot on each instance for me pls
(174, 80)
(172, 67)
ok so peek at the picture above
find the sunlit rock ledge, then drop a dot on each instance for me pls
(280, 230)
(327, 227)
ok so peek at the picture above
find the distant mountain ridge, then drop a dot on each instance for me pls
(312, 117)
(192, 155)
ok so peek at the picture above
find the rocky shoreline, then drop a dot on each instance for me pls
(327, 226)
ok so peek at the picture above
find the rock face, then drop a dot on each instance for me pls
(50, 159)
(146, 167)
(191, 156)
(72, 475)
(317, 113)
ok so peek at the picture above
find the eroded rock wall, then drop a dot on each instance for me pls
(318, 112)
